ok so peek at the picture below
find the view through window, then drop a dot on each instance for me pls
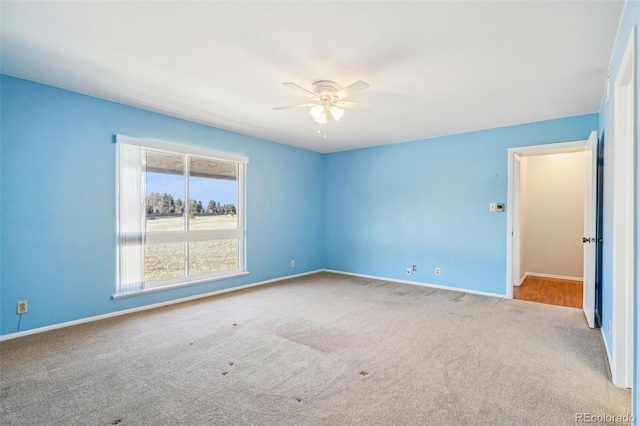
(189, 226)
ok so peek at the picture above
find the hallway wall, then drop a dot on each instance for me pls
(552, 214)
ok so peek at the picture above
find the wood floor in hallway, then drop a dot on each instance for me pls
(552, 291)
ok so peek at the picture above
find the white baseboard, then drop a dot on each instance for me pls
(146, 307)
(606, 349)
(539, 274)
(524, 277)
(441, 287)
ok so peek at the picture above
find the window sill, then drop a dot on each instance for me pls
(174, 286)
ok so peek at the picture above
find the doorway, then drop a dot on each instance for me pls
(550, 226)
(513, 217)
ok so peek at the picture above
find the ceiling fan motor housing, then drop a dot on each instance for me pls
(325, 89)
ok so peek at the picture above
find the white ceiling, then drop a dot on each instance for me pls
(435, 68)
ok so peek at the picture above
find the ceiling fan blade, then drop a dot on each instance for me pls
(351, 89)
(297, 106)
(301, 90)
(353, 105)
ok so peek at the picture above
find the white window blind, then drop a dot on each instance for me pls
(131, 218)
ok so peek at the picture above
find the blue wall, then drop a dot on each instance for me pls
(630, 20)
(427, 203)
(58, 203)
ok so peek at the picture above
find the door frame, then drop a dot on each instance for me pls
(513, 193)
(623, 219)
(515, 215)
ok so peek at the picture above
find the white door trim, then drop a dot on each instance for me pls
(517, 230)
(623, 225)
(523, 151)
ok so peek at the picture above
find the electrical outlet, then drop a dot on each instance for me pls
(408, 271)
(293, 263)
(415, 268)
(437, 271)
(22, 307)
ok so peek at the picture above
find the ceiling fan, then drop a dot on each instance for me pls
(328, 99)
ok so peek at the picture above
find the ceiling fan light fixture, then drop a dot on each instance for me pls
(328, 98)
(336, 112)
(317, 111)
(322, 119)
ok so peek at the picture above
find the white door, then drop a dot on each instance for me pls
(589, 240)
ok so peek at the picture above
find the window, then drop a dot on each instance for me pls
(180, 215)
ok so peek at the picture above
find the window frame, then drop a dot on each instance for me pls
(186, 235)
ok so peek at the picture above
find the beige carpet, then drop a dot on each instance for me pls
(324, 349)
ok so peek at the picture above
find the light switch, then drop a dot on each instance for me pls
(492, 207)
